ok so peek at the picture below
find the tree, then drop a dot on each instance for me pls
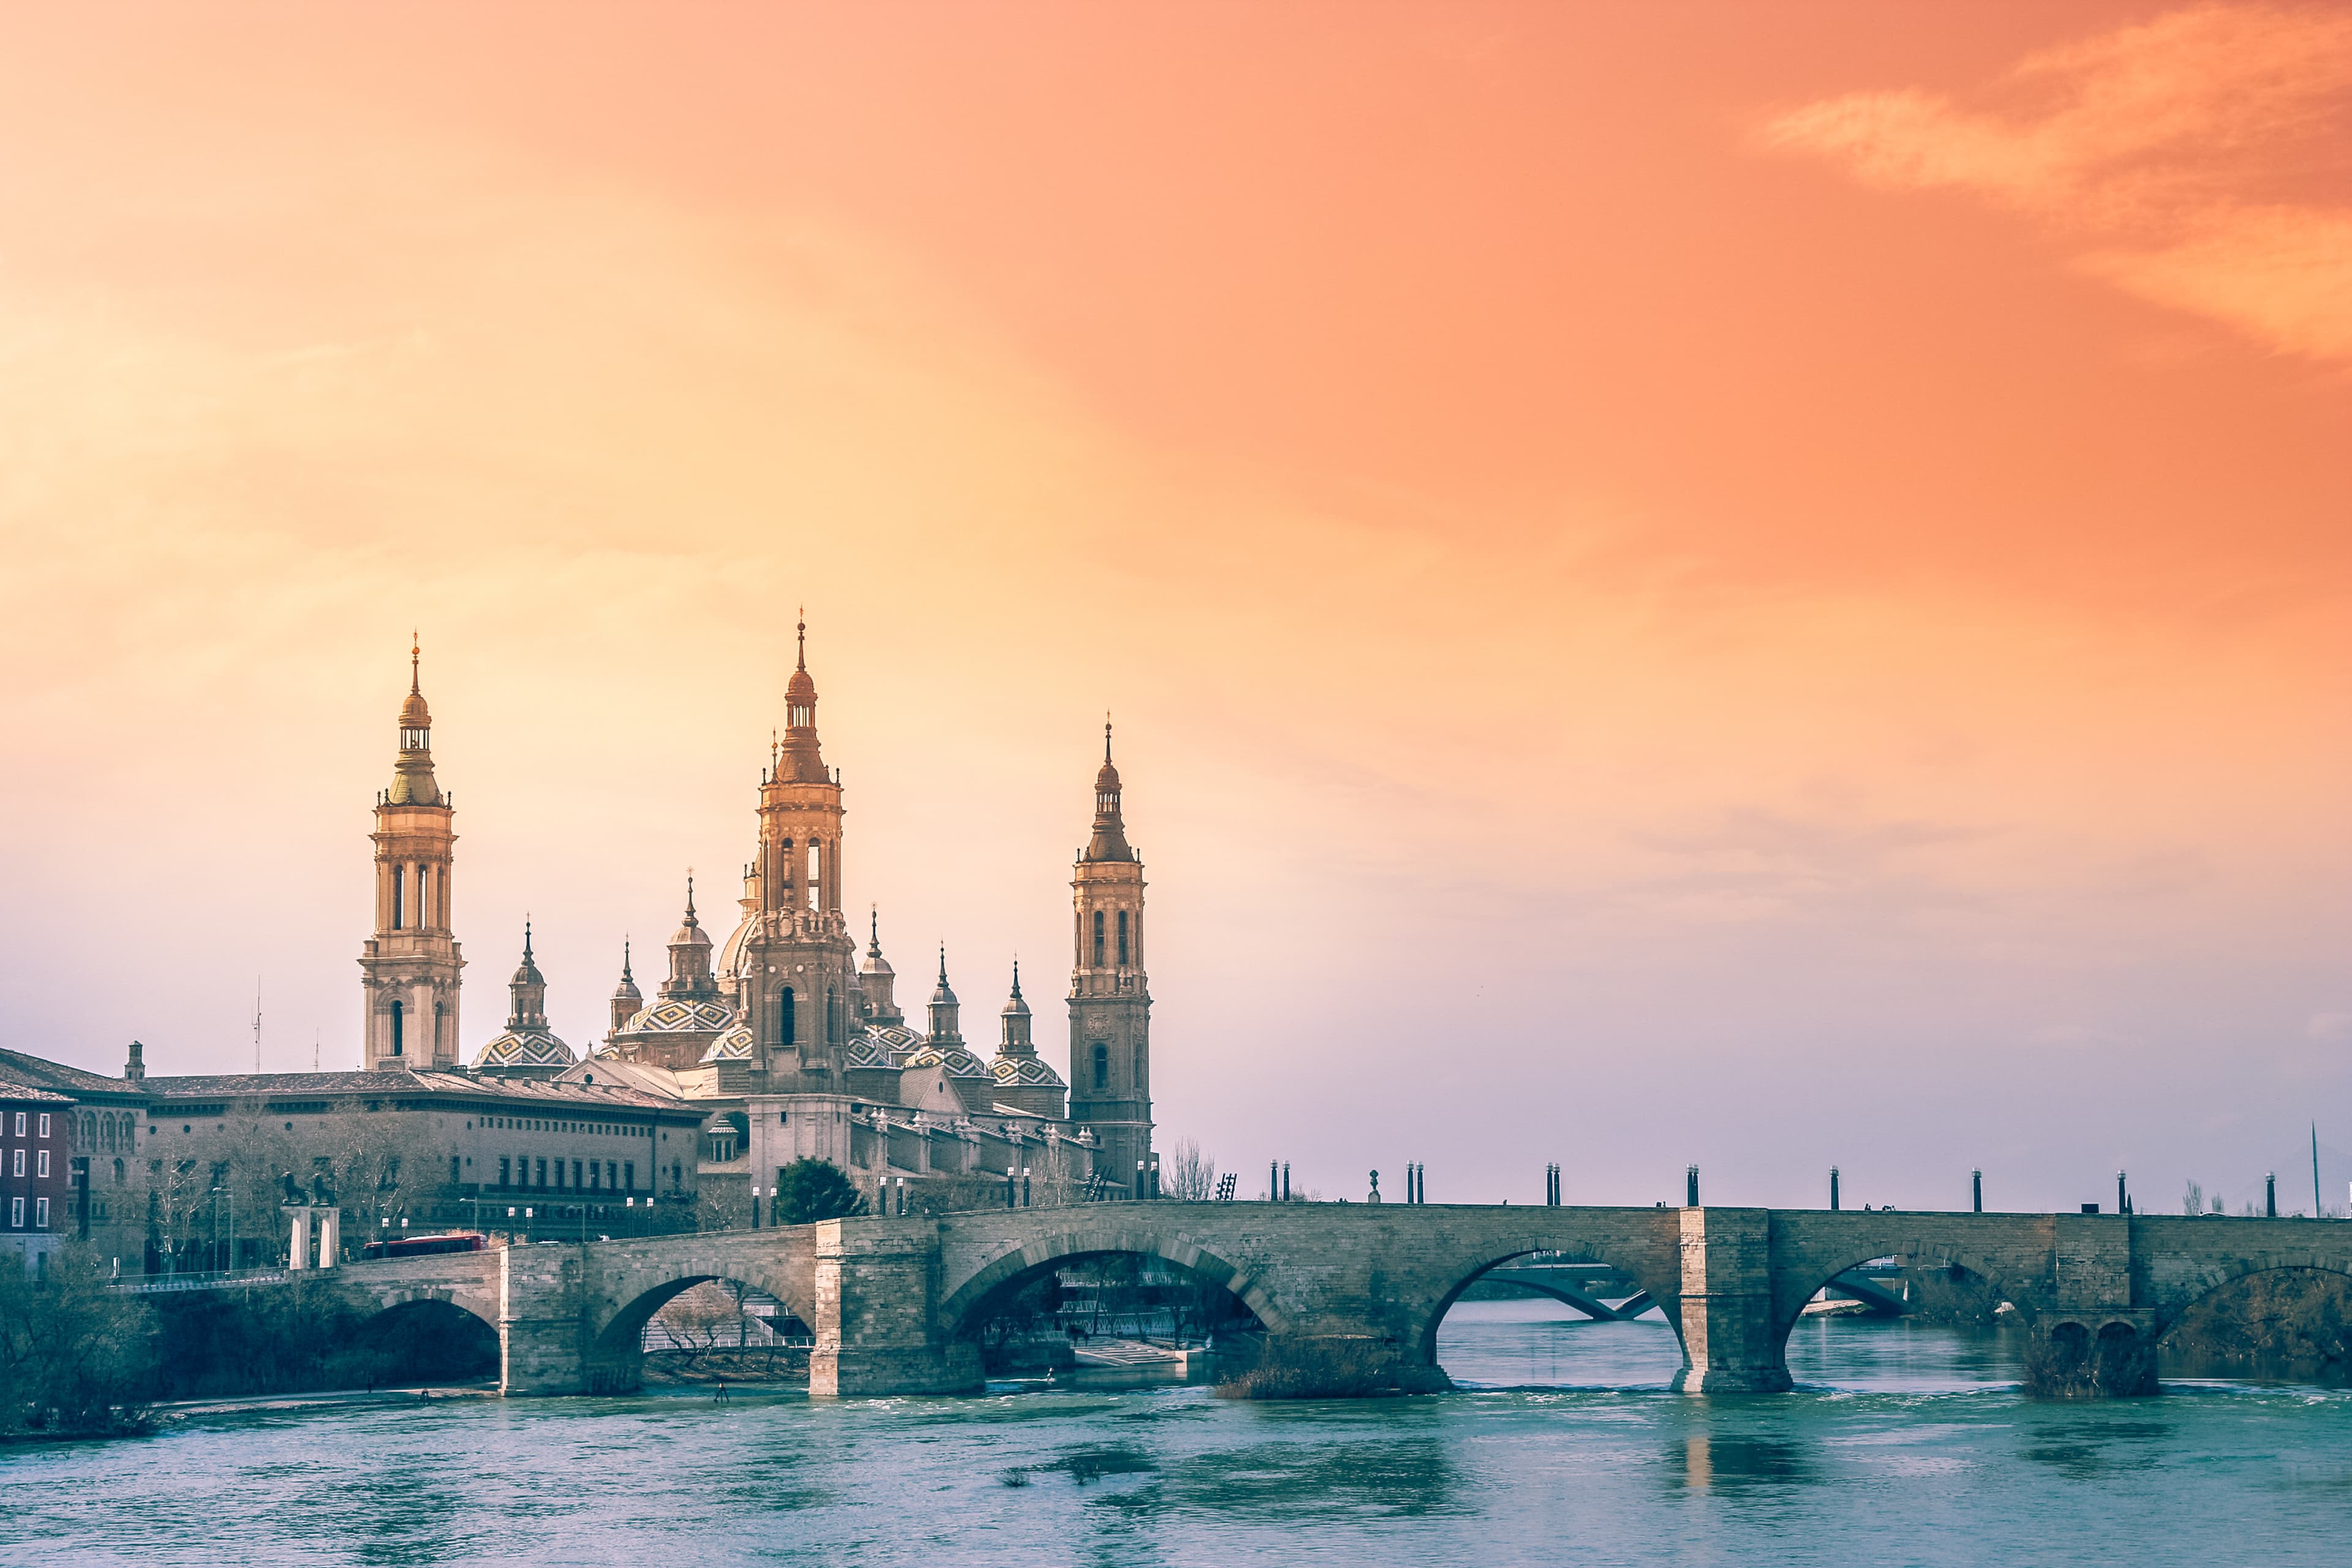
(74, 1355)
(811, 1189)
(1188, 1174)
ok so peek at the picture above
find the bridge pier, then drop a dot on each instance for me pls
(543, 1339)
(1733, 1340)
(877, 1308)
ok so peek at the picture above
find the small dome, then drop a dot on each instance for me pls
(959, 1062)
(413, 714)
(690, 934)
(626, 991)
(800, 687)
(734, 1046)
(680, 1015)
(1107, 780)
(525, 1048)
(1025, 1072)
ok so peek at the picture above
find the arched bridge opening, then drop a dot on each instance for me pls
(700, 1328)
(2288, 1322)
(421, 1341)
(1571, 1315)
(1101, 1302)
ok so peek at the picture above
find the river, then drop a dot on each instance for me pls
(1903, 1444)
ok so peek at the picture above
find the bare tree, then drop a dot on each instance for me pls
(1188, 1174)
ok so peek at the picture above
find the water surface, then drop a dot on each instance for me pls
(1903, 1444)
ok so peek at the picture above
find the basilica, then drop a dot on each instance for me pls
(787, 1039)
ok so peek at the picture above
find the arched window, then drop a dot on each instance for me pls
(399, 896)
(832, 1018)
(89, 1130)
(1102, 1065)
(787, 1018)
(816, 873)
(1098, 939)
(424, 895)
(396, 1041)
(1122, 936)
(117, 1173)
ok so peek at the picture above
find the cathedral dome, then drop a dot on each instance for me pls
(524, 1048)
(1025, 1072)
(959, 1063)
(734, 1046)
(681, 1015)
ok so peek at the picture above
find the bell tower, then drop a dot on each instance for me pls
(795, 982)
(409, 968)
(1110, 1001)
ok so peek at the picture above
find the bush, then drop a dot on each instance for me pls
(75, 1357)
(1294, 1367)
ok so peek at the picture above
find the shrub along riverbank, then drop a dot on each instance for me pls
(77, 1358)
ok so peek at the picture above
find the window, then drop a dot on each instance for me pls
(20, 1163)
(43, 1169)
(817, 871)
(17, 1213)
(542, 1173)
(595, 1183)
(44, 1124)
(629, 1174)
(41, 1213)
(575, 1175)
(1098, 939)
(117, 1173)
(399, 895)
(674, 1181)
(1102, 1065)
(395, 1028)
(424, 895)
(787, 1024)
(1122, 936)
(453, 1168)
(502, 1173)
(612, 1174)
(20, 1124)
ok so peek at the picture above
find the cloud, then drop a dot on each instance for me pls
(2172, 156)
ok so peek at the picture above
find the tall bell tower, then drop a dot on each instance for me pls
(1110, 1000)
(796, 979)
(409, 968)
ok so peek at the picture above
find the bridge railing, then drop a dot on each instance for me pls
(150, 1284)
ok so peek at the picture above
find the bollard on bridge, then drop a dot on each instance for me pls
(1833, 1189)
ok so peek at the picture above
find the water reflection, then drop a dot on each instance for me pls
(1150, 1477)
(1709, 1461)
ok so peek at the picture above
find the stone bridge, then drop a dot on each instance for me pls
(896, 1304)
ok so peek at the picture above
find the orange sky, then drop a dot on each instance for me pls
(1765, 586)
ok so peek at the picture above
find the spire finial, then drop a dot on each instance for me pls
(526, 938)
(803, 630)
(943, 964)
(625, 976)
(874, 927)
(690, 895)
(416, 653)
(1016, 975)
(1106, 734)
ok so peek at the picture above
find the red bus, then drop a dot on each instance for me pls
(425, 1246)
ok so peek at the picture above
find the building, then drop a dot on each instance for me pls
(37, 1128)
(793, 1043)
(785, 1041)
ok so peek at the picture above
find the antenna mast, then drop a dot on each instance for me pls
(257, 1023)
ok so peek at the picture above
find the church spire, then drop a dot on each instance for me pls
(800, 760)
(529, 989)
(412, 772)
(1110, 840)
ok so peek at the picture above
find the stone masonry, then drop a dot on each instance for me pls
(896, 1303)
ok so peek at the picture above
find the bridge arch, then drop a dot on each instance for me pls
(1635, 1258)
(1798, 1277)
(2187, 1291)
(616, 1348)
(1012, 1269)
